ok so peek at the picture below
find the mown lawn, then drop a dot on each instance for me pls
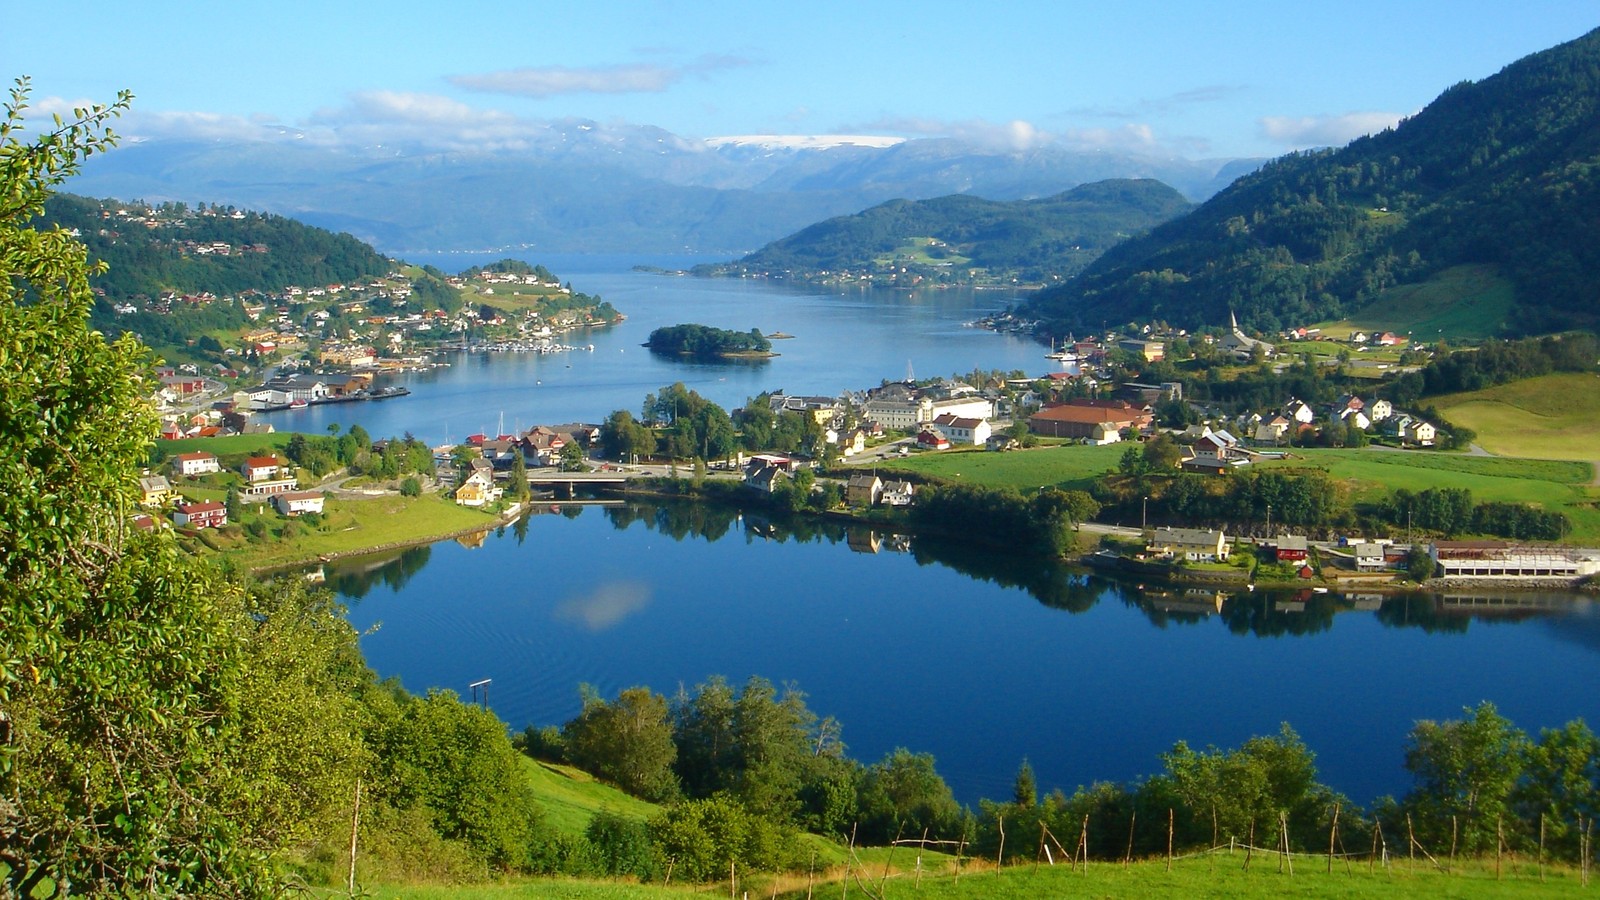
(1551, 417)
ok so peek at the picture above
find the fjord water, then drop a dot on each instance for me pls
(957, 651)
(842, 341)
(976, 657)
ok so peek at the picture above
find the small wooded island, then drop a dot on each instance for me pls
(705, 342)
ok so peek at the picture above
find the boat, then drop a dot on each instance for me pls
(298, 403)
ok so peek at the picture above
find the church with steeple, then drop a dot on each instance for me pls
(1241, 345)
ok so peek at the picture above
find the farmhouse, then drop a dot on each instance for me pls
(1194, 544)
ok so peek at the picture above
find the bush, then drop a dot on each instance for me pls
(411, 487)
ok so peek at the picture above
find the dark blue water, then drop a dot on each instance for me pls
(842, 341)
(976, 658)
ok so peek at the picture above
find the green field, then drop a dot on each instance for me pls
(1068, 466)
(1459, 303)
(232, 445)
(1551, 417)
(571, 796)
(1370, 474)
(352, 525)
(1363, 475)
(1220, 874)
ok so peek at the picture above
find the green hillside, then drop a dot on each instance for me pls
(961, 239)
(1504, 172)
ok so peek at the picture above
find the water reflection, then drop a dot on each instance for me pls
(1261, 613)
(606, 606)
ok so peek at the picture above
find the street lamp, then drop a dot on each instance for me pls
(1144, 518)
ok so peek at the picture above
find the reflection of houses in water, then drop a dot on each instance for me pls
(863, 540)
(1366, 602)
(867, 540)
(1197, 601)
(1520, 602)
(474, 540)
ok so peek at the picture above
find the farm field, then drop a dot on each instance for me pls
(1550, 417)
(1367, 474)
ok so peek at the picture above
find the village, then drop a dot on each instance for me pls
(858, 431)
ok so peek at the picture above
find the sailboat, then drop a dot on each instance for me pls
(1064, 354)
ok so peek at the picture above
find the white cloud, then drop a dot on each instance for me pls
(1325, 131)
(624, 78)
(608, 605)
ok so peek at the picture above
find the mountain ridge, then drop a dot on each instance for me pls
(1504, 171)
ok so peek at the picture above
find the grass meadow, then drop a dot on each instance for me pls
(1459, 303)
(1551, 417)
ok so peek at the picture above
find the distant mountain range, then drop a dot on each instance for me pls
(586, 187)
(1502, 173)
(961, 239)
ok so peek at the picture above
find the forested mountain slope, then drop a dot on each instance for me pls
(1029, 240)
(1503, 171)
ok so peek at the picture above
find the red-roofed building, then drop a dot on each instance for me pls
(259, 468)
(198, 463)
(1078, 422)
(206, 514)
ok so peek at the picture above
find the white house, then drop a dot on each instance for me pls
(293, 503)
(199, 463)
(962, 430)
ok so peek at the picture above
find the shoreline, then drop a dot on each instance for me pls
(507, 517)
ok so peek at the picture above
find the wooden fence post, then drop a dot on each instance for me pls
(1128, 859)
(1169, 838)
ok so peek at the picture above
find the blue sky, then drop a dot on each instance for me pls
(1184, 79)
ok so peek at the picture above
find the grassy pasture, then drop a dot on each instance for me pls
(571, 796)
(1552, 417)
(1220, 874)
(1459, 303)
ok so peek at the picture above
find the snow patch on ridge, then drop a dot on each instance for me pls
(805, 141)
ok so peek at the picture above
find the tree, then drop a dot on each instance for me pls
(111, 770)
(518, 479)
(1464, 772)
(628, 743)
(1025, 790)
(903, 794)
(624, 438)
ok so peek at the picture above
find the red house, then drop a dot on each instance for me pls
(1291, 548)
(207, 514)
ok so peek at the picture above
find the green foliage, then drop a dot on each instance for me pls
(705, 341)
(452, 763)
(701, 839)
(628, 743)
(1495, 172)
(1027, 239)
(622, 846)
(1465, 773)
(903, 794)
(624, 438)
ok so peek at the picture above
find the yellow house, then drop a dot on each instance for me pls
(154, 490)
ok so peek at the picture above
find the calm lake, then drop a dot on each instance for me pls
(980, 659)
